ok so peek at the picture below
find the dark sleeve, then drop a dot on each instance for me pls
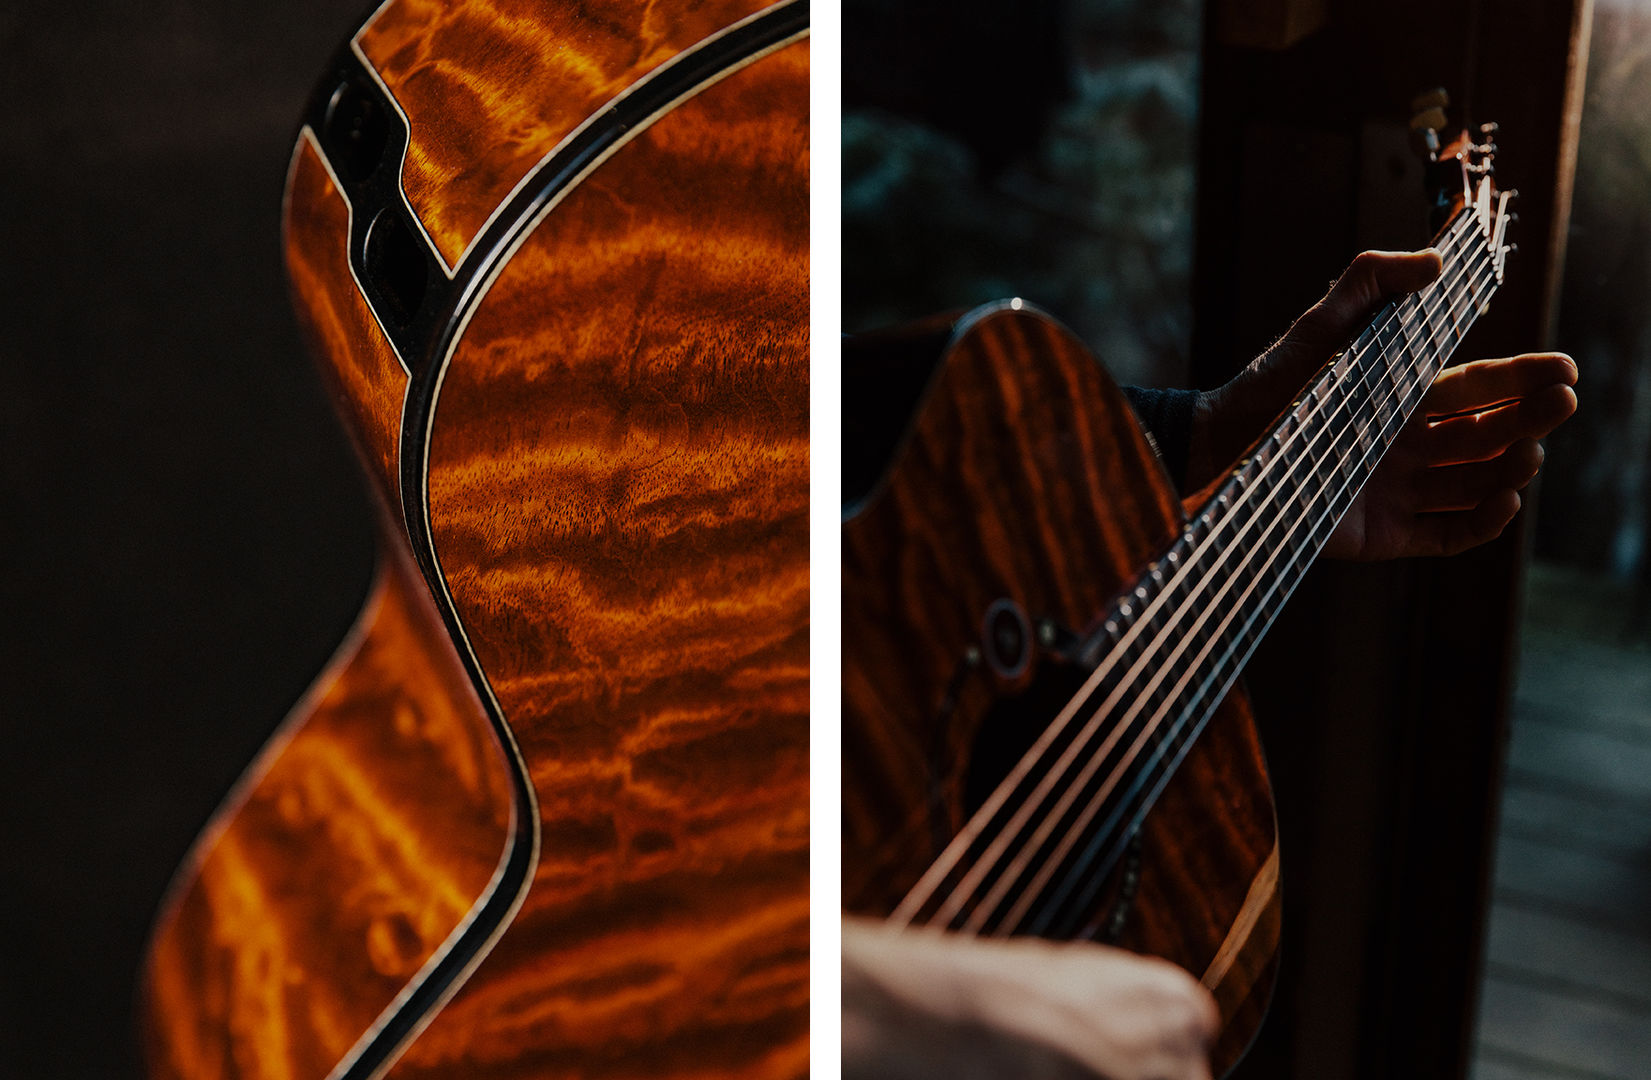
(1167, 416)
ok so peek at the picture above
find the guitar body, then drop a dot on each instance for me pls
(547, 812)
(1025, 486)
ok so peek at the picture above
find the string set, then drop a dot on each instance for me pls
(1402, 315)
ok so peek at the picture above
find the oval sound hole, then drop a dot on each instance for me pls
(354, 131)
(398, 266)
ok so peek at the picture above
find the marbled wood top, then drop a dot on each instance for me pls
(367, 381)
(361, 837)
(619, 501)
(492, 86)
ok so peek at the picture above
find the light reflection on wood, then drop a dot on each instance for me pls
(359, 840)
(490, 87)
(619, 498)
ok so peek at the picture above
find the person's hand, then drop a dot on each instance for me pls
(923, 1004)
(1452, 478)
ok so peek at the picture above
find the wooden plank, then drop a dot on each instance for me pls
(1496, 1063)
(1581, 1035)
(1582, 757)
(1583, 673)
(1565, 880)
(1538, 947)
(1574, 816)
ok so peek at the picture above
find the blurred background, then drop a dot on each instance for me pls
(183, 535)
(1461, 748)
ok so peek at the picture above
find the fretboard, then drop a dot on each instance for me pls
(1036, 856)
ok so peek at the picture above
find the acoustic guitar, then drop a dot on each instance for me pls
(545, 813)
(1040, 640)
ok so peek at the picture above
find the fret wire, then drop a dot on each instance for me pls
(1301, 413)
(1234, 659)
(1297, 551)
(948, 862)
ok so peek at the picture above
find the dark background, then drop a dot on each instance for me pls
(183, 533)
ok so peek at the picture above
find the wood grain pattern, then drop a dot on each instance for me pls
(367, 381)
(619, 501)
(1025, 476)
(492, 86)
(357, 842)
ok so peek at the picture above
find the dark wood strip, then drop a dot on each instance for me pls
(1591, 1038)
(1631, 724)
(1580, 792)
(1611, 765)
(1617, 887)
(1579, 988)
(1556, 946)
(1500, 1063)
(1565, 909)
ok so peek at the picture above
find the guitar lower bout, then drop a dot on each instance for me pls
(977, 575)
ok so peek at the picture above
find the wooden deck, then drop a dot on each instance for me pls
(1567, 990)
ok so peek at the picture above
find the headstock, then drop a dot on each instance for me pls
(1461, 174)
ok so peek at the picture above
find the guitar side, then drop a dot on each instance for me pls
(1024, 484)
(586, 431)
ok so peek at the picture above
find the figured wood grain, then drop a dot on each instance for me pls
(354, 846)
(492, 86)
(368, 383)
(1025, 476)
(619, 501)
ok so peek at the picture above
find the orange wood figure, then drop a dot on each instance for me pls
(546, 813)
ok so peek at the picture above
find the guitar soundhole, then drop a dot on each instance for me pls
(354, 131)
(1007, 731)
(1013, 724)
(396, 263)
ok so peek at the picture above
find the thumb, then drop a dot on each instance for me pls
(1362, 288)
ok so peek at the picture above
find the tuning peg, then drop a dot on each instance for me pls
(1489, 129)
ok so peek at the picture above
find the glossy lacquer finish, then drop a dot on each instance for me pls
(368, 829)
(368, 383)
(492, 86)
(352, 849)
(1025, 477)
(619, 502)
(617, 519)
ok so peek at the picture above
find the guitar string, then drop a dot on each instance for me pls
(1221, 673)
(1172, 740)
(988, 814)
(943, 866)
(1396, 314)
(967, 887)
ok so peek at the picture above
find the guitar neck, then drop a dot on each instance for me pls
(1248, 547)
(1035, 858)
(1175, 644)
